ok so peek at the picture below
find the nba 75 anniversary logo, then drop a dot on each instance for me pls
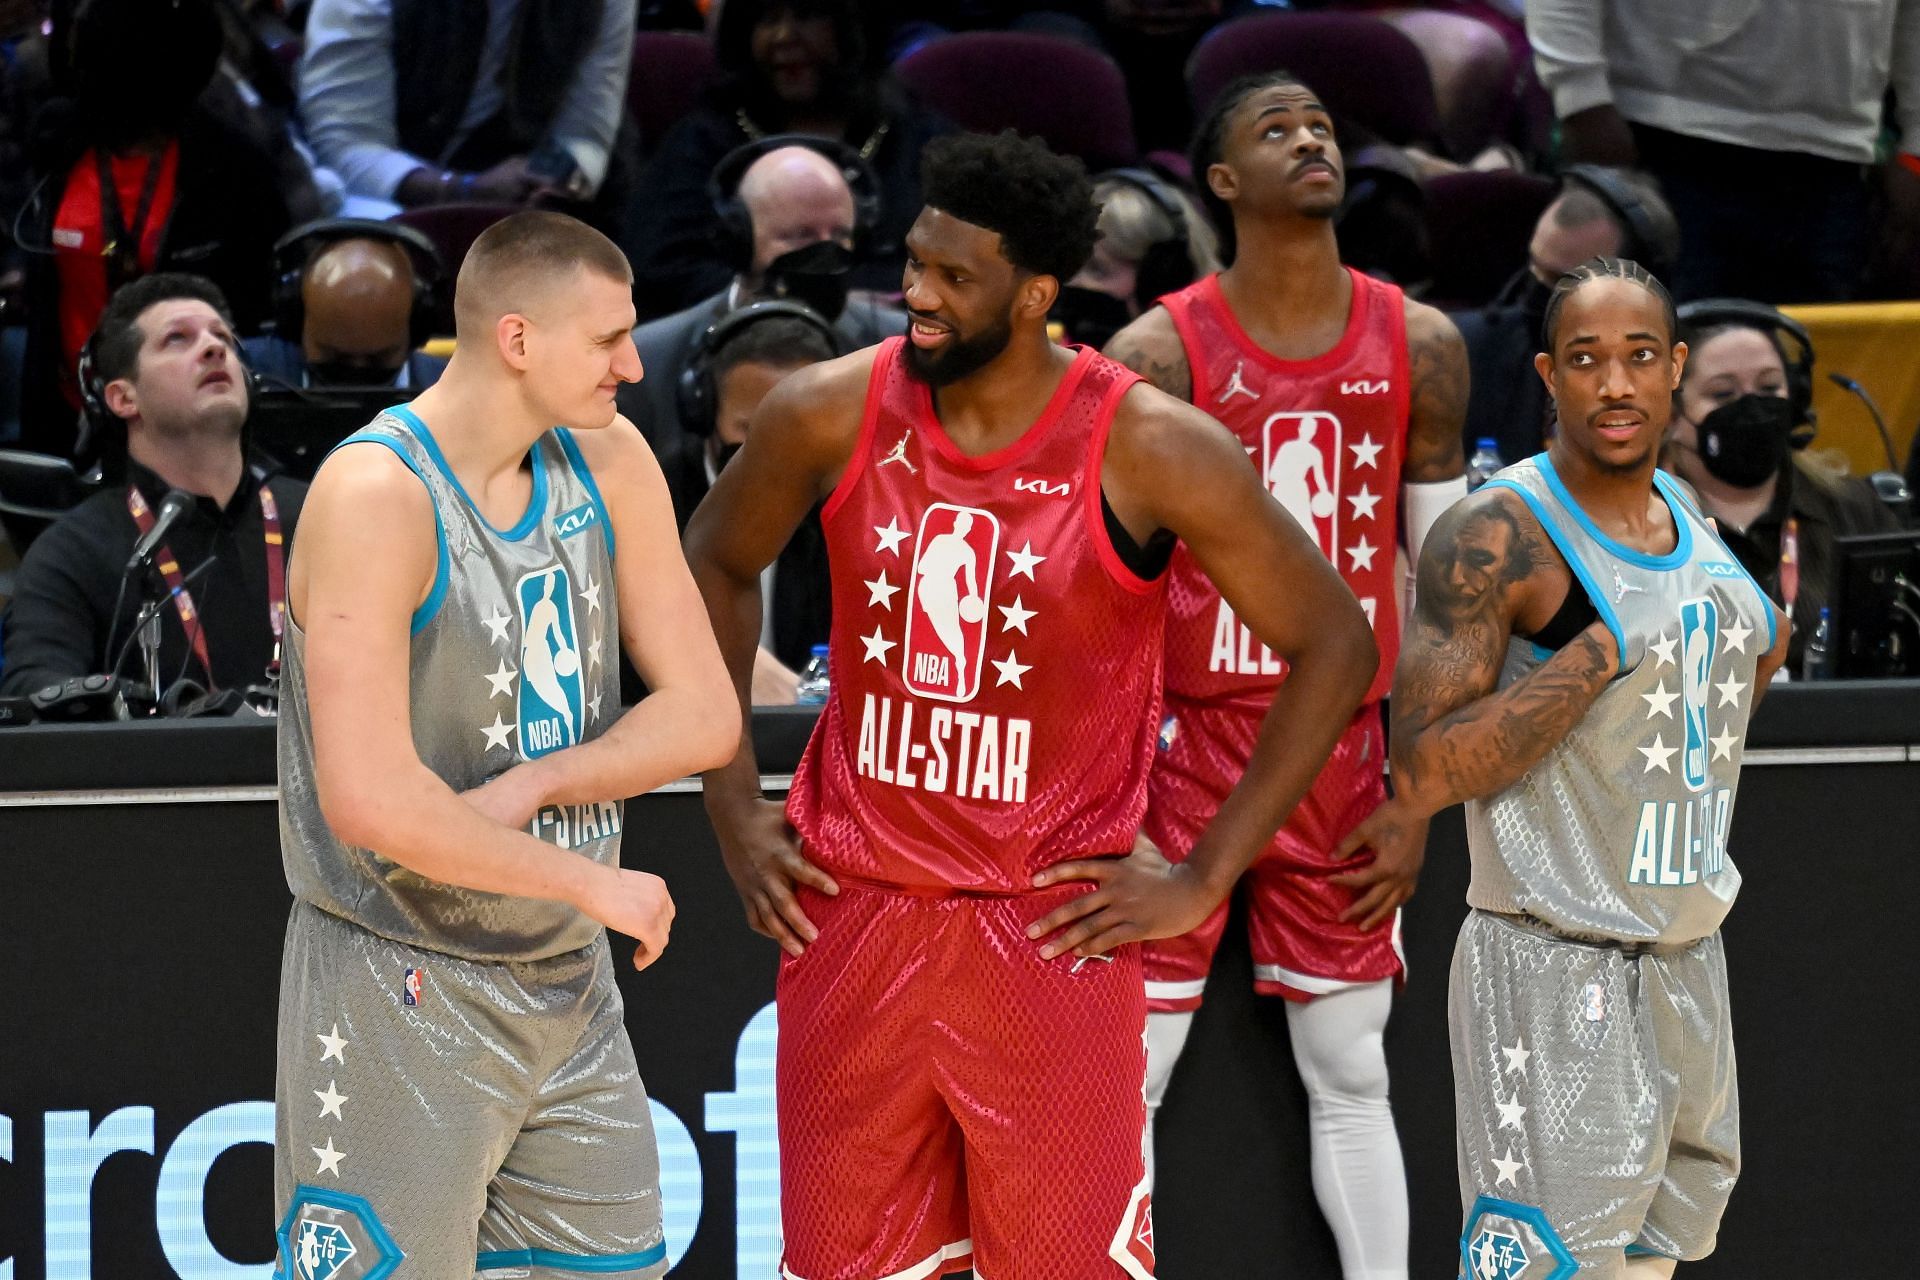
(947, 601)
(552, 701)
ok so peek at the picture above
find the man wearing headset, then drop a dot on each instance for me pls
(353, 301)
(792, 222)
(166, 391)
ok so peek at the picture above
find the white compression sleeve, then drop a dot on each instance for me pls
(1358, 1175)
(1424, 504)
(1166, 1036)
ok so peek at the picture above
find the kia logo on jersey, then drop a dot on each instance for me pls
(947, 603)
(1300, 464)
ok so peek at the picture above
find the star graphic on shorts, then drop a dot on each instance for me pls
(1365, 452)
(1517, 1056)
(877, 646)
(336, 1045)
(593, 704)
(1723, 745)
(498, 625)
(502, 681)
(1363, 503)
(593, 652)
(1011, 669)
(1361, 554)
(1660, 702)
(497, 733)
(1737, 636)
(591, 594)
(1730, 690)
(880, 591)
(1017, 616)
(330, 1102)
(1657, 755)
(890, 537)
(1663, 650)
(329, 1159)
(1508, 1168)
(1510, 1112)
(1023, 561)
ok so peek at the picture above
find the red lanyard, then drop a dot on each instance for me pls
(169, 567)
(1789, 563)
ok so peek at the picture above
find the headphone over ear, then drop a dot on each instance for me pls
(1788, 334)
(293, 251)
(1167, 266)
(733, 227)
(697, 392)
(1655, 242)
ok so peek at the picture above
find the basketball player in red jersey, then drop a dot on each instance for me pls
(960, 1067)
(1340, 388)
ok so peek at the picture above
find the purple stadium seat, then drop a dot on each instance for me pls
(1478, 225)
(454, 227)
(669, 70)
(1071, 96)
(1365, 70)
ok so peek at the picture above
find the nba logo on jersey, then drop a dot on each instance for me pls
(1300, 464)
(552, 701)
(410, 986)
(1699, 644)
(947, 604)
(1496, 1255)
(321, 1249)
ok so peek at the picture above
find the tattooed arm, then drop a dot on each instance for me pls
(1151, 347)
(1437, 360)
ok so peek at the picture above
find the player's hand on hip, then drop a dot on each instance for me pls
(763, 856)
(1139, 896)
(637, 904)
(1397, 839)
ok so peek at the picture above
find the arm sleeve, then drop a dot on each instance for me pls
(347, 98)
(590, 116)
(51, 627)
(1569, 52)
(1425, 503)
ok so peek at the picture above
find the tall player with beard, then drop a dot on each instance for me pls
(961, 1006)
(1339, 388)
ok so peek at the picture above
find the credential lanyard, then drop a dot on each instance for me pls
(169, 567)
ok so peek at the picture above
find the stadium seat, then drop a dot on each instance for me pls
(454, 227)
(1071, 96)
(669, 70)
(1478, 228)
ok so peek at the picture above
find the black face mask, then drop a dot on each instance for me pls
(817, 275)
(1744, 441)
(344, 373)
(1090, 316)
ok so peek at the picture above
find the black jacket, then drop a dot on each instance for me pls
(227, 213)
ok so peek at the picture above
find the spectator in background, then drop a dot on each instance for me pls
(358, 300)
(1759, 117)
(1741, 424)
(736, 362)
(168, 373)
(1613, 213)
(419, 102)
(1153, 239)
(788, 66)
(135, 177)
(791, 225)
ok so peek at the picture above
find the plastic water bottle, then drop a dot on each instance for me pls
(1484, 462)
(1816, 663)
(813, 680)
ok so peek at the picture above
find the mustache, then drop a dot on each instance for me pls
(1315, 162)
(1625, 406)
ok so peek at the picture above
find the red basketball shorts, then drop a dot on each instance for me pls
(1300, 947)
(949, 1099)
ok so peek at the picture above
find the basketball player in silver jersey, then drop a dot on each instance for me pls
(456, 1092)
(1582, 662)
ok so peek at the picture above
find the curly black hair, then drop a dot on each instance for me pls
(1210, 140)
(1603, 269)
(1041, 203)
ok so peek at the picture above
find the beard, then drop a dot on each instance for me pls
(961, 357)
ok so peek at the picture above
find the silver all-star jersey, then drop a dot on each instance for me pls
(1621, 831)
(514, 655)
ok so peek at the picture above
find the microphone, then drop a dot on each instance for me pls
(1845, 383)
(176, 504)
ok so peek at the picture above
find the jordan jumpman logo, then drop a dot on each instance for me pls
(1237, 386)
(899, 454)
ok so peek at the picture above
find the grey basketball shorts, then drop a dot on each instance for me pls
(442, 1118)
(1595, 1104)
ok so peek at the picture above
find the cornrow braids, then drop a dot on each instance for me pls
(1604, 269)
(1209, 141)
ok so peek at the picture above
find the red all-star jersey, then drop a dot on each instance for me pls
(995, 668)
(1328, 435)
